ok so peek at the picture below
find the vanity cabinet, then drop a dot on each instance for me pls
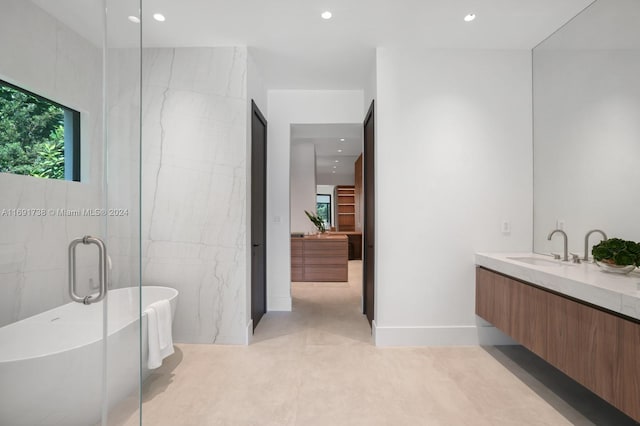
(628, 375)
(520, 311)
(597, 348)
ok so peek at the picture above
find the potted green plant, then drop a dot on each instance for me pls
(317, 221)
(617, 255)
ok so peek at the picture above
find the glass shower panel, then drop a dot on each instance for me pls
(69, 212)
(122, 200)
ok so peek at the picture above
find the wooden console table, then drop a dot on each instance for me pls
(355, 243)
(320, 258)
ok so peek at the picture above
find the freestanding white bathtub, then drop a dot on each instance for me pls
(51, 363)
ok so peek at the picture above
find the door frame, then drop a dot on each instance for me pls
(368, 258)
(255, 112)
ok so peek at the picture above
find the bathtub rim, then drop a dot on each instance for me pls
(174, 294)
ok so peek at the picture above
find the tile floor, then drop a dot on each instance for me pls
(317, 366)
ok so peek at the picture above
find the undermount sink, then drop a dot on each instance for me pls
(536, 261)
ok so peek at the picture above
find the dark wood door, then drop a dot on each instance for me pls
(258, 214)
(369, 216)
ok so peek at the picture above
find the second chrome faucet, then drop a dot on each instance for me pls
(586, 242)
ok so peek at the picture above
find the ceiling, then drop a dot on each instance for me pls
(296, 49)
(327, 141)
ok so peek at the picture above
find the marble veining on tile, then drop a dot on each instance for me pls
(194, 187)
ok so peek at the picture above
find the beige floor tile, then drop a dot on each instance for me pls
(316, 365)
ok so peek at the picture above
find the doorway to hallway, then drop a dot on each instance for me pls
(323, 313)
(326, 178)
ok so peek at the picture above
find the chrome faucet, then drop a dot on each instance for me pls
(586, 242)
(566, 242)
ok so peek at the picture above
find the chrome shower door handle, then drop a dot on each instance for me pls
(102, 266)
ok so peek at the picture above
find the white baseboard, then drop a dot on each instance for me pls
(249, 332)
(374, 327)
(440, 336)
(279, 304)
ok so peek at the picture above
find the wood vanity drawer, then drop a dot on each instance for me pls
(628, 372)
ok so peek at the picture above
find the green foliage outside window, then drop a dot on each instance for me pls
(31, 135)
(323, 212)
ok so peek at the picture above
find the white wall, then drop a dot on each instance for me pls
(42, 55)
(453, 160)
(371, 88)
(287, 107)
(347, 178)
(194, 187)
(256, 89)
(587, 145)
(303, 186)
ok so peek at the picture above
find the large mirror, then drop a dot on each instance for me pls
(586, 94)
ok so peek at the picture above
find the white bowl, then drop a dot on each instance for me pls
(615, 269)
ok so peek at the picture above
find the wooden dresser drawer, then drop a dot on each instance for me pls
(327, 249)
(323, 258)
(329, 274)
(297, 246)
(297, 273)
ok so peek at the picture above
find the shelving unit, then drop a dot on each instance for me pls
(346, 208)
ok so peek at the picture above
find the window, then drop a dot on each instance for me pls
(323, 207)
(38, 137)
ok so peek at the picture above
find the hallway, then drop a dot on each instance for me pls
(317, 366)
(327, 314)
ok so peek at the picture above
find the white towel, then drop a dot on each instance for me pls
(159, 332)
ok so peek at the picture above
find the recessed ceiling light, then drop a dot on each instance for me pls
(342, 140)
(335, 167)
(333, 171)
(470, 17)
(339, 150)
(326, 15)
(159, 17)
(134, 19)
(337, 161)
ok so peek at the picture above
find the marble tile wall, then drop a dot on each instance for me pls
(123, 166)
(194, 187)
(42, 55)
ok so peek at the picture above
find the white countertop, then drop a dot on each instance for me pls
(585, 281)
